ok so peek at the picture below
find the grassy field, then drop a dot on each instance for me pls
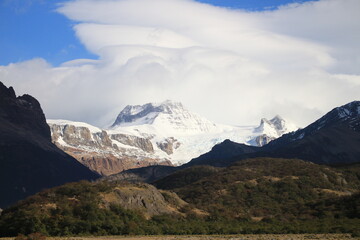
(224, 237)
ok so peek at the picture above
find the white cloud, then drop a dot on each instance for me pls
(231, 66)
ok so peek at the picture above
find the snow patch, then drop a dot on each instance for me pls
(61, 122)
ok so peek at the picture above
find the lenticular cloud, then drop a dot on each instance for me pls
(230, 66)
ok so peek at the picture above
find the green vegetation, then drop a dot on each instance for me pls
(71, 209)
(252, 196)
(266, 188)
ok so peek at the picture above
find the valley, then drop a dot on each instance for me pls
(305, 181)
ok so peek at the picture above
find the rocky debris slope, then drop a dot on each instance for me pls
(145, 198)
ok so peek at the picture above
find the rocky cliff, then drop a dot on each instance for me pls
(101, 151)
(29, 162)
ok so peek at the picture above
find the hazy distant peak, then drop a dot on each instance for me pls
(275, 127)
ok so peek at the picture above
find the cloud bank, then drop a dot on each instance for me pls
(230, 66)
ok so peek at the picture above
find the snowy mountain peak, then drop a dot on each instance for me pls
(275, 127)
(279, 123)
(167, 117)
(349, 110)
(146, 113)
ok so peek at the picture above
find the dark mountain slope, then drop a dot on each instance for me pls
(344, 117)
(220, 153)
(225, 153)
(29, 162)
(186, 176)
(333, 139)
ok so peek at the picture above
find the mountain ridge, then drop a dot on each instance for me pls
(332, 139)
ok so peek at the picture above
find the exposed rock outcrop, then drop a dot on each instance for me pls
(263, 139)
(169, 145)
(103, 152)
(145, 198)
(139, 142)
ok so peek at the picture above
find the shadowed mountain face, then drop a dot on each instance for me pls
(220, 154)
(333, 139)
(29, 162)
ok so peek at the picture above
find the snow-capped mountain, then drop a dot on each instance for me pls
(271, 129)
(165, 133)
(167, 117)
(348, 114)
(275, 127)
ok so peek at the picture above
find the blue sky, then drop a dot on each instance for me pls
(32, 28)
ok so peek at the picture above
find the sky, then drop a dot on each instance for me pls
(231, 61)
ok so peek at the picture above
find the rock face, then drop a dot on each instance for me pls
(29, 162)
(169, 145)
(139, 142)
(263, 139)
(103, 152)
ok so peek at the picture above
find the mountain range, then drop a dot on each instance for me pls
(155, 134)
(334, 139)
